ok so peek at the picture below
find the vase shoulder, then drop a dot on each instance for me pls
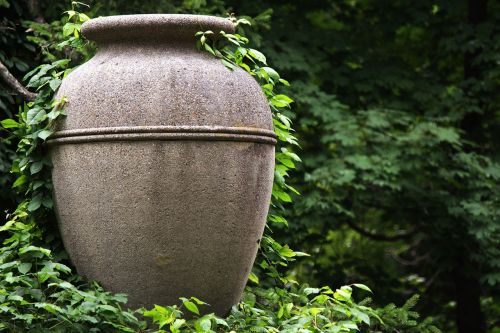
(147, 85)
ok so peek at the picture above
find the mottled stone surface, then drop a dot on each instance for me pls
(163, 167)
(161, 28)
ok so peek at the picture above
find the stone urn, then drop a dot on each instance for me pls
(163, 167)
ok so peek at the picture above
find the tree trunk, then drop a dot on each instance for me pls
(468, 292)
(471, 123)
(467, 286)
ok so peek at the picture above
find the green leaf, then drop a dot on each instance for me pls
(198, 301)
(35, 249)
(70, 13)
(284, 82)
(66, 285)
(9, 123)
(69, 28)
(82, 17)
(272, 73)
(15, 298)
(243, 21)
(44, 134)
(63, 268)
(35, 202)
(208, 48)
(54, 84)
(178, 323)
(47, 202)
(31, 73)
(21, 180)
(281, 101)
(54, 309)
(278, 219)
(220, 321)
(54, 113)
(38, 82)
(284, 121)
(203, 324)
(283, 196)
(360, 315)
(350, 325)
(342, 295)
(257, 55)
(309, 291)
(228, 64)
(191, 307)
(254, 278)
(24, 267)
(37, 184)
(290, 154)
(362, 286)
(36, 115)
(7, 265)
(36, 167)
(106, 307)
(285, 160)
(315, 311)
(287, 252)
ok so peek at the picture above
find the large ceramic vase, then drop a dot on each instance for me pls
(163, 167)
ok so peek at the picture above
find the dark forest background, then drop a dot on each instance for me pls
(397, 108)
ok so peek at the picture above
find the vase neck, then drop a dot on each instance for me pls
(151, 29)
(148, 46)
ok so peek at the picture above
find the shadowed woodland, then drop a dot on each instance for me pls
(396, 108)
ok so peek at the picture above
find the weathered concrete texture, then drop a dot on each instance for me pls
(173, 27)
(163, 167)
(140, 82)
(164, 219)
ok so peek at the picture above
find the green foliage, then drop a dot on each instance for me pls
(397, 114)
(404, 319)
(38, 292)
(364, 157)
(62, 38)
(303, 309)
(274, 310)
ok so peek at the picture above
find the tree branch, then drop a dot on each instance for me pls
(16, 86)
(378, 237)
(416, 261)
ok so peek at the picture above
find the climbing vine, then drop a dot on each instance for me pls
(39, 292)
(233, 51)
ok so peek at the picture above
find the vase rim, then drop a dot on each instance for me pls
(153, 26)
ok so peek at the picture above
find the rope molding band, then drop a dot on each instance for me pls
(167, 133)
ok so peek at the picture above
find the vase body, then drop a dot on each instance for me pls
(163, 167)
